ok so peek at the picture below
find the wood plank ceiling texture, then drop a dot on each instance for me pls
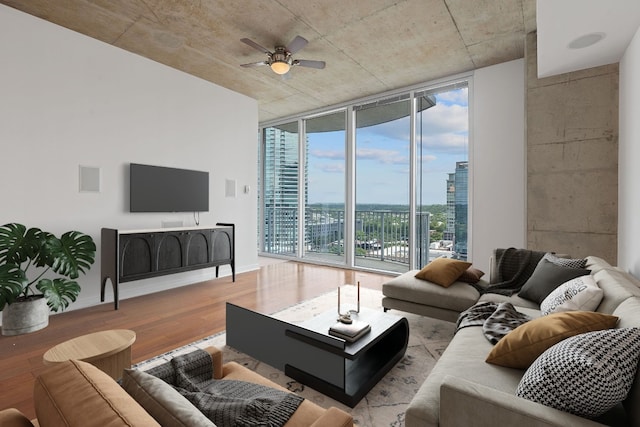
(370, 46)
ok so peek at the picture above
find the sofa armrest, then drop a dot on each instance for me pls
(334, 417)
(216, 357)
(11, 417)
(470, 404)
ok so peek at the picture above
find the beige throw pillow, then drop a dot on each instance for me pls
(443, 271)
(522, 346)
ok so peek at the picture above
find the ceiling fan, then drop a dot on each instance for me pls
(281, 60)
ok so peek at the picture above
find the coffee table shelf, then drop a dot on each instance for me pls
(307, 353)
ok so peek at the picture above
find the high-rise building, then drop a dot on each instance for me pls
(449, 231)
(461, 208)
(281, 190)
(457, 208)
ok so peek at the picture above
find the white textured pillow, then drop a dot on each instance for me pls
(579, 294)
(587, 374)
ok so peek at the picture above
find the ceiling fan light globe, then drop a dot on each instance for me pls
(280, 67)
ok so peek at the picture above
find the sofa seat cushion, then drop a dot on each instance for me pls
(457, 297)
(513, 299)
(465, 358)
(75, 393)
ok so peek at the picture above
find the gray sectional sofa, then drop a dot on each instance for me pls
(464, 390)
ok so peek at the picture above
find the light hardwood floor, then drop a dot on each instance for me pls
(168, 319)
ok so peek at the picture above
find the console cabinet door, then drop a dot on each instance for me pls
(169, 251)
(222, 245)
(136, 255)
(197, 247)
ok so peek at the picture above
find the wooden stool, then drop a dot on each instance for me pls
(110, 351)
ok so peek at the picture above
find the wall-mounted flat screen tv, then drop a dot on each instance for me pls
(163, 189)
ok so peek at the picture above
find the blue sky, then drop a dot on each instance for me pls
(382, 156)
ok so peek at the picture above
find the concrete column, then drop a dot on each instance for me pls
(572, 159)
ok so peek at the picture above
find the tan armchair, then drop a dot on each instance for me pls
(76, 393)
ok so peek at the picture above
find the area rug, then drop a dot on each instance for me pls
(385, 404)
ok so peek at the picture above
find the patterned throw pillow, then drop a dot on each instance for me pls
(587, 374)
(581, 293)
(565, 262)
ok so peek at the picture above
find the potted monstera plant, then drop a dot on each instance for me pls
(37, 274)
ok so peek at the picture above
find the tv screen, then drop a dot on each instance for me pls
(163, 189)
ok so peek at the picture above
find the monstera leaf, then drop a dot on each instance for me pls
(17, 244)
(12, 281)
(59, 292)
(73, 253)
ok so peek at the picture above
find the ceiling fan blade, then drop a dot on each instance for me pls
(254, 64)
(255, 45)
(296, 44)
(309, 63)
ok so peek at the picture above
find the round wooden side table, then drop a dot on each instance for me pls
(110, 351)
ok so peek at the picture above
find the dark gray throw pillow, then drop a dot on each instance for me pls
(546, 277)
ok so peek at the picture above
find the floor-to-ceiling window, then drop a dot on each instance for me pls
(325, 190)
(379, 184)
(442, 152)
(281, 189)
(382, 142)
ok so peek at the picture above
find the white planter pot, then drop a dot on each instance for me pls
(25, 316)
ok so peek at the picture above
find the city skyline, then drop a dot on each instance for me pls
(382, 156)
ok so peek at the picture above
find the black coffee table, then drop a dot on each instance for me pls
(307, 353)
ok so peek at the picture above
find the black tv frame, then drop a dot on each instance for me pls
(167, 189)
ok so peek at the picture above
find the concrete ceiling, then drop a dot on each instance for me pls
(369, 46)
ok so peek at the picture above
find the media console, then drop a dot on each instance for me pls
(128, 255)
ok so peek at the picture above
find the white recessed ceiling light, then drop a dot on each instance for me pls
(586, 40)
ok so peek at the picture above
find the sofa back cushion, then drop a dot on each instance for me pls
(75, 393)
(617, 286)
(596, 264)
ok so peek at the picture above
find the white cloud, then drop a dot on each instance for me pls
(460, 97)
(382, 156)
(327, 154)
(331, 167)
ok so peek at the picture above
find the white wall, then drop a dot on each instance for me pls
(628, 159)
(498, 163)
(68, 100)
